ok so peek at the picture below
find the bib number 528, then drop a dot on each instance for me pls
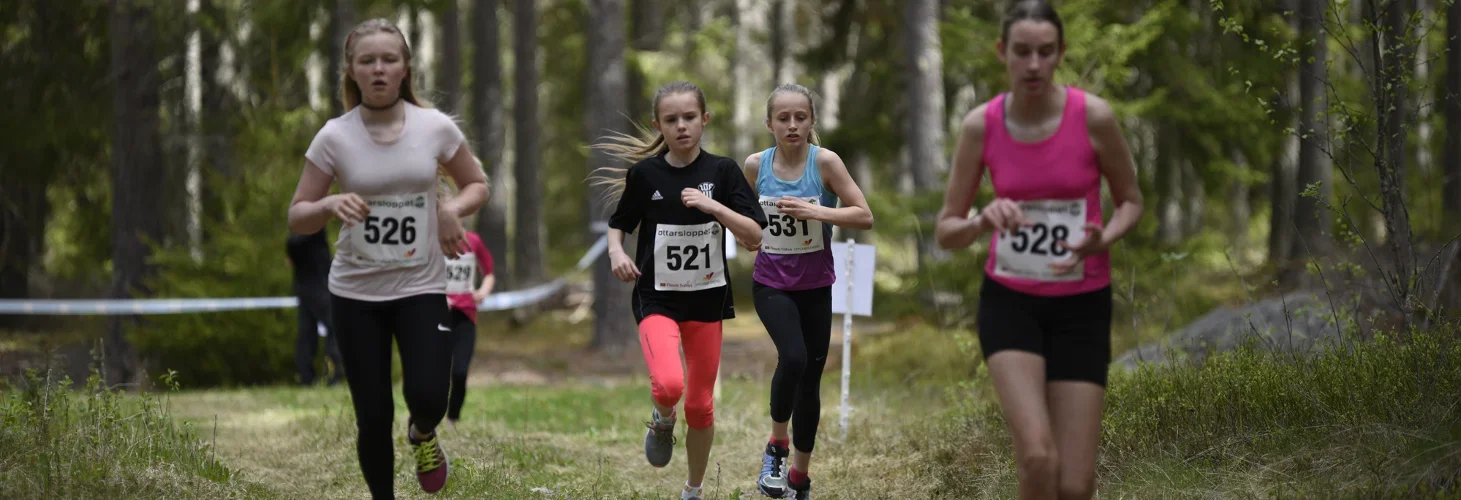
(679, 257)
(390, 230)
(1045, 241)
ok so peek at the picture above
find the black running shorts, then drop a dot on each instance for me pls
(1072, 333)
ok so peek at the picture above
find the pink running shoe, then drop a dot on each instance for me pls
(431, 464)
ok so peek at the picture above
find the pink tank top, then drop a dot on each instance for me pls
(1057, 182)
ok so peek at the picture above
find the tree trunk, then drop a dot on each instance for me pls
(925, 122)
(136, 166)
(1194, 192)
(217, 106)
(450, 76)
(1241, 194)
(694, 15)
(342, 19)
(783, 36)
(1311, 218)
(1451, 199)
(614, 330)
(528, 242)
(1390, 93)
(753, 84)
(1169, 187)
(1422, 70)
(648, 26)
(413, 36)
(172, 37)
(490, 131)
(1282, 192)
(23, 214)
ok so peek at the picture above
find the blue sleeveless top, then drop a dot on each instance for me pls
(801, 271)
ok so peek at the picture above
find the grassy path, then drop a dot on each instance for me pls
(567, 440)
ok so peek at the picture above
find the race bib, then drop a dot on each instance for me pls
(688, 257)
(392, 235)
(1028, 252)
(460, 272)
(785, 234)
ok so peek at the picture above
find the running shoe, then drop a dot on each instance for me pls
(431, 462)
(801, 491)
(659, 441)
(772, 482)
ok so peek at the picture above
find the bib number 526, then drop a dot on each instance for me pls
(390, 230)
(679, 257)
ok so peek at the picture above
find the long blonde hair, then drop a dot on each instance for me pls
(633, 149)
(792, 88)
(350, 89)
(350, 95)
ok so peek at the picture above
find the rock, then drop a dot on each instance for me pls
(1301, 322)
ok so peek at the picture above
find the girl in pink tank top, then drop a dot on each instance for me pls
(1044, 315)
(1057, 184)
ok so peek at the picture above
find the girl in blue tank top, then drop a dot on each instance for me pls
(798, 185)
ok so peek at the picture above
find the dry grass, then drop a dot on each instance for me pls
(575, 440)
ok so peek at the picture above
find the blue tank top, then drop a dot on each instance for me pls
(793, 268)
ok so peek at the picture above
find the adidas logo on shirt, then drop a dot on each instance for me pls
(656, 196)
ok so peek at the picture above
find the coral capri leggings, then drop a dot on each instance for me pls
(661, 338)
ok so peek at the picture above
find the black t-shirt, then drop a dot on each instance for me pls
(310, 254)
(683, 277)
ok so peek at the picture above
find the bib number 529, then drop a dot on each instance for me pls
(679, 257)
(390, 230)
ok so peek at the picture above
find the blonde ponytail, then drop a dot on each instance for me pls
(633, 149)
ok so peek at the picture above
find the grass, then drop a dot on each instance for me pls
(91, 443)
(573, 440)
(1376, 421)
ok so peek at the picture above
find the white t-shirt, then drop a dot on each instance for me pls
(395, 253)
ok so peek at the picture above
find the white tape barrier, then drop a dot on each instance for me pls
(495, 302)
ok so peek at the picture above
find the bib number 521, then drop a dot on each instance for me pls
(390, 230)
(679, 257)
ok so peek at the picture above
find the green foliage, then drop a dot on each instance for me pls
(1250, 421)
(248, 260)
(919, 355)
(61, 442)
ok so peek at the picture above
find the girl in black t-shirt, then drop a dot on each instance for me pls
(681, 199)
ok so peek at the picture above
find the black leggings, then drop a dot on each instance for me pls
(465, 342)
(800, 323)
(418, 325)
(314, 308)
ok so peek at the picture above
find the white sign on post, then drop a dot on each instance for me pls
(852, 294)
(860, 274)
(730, 254)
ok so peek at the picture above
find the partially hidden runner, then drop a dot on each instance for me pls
(1044, 315)
(388, 278)
(681, 199)
(463, 297)
(799, 184)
